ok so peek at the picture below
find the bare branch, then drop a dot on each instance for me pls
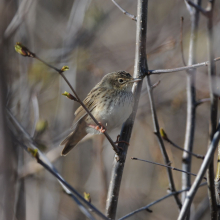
(163, 165)
(157, 201)
(43, 160)
(199, 102)
(213, 109)
(197, 7)
(160, 140)
(201, 173)
(133, 17)
(150, 72)
(140, 69)
(191, 102)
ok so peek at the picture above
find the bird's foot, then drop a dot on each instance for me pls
(117, 142)
(99, 127)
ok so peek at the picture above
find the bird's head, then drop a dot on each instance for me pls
(120, 80)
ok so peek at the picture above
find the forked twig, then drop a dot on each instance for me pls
(133, 17)
(178, 69)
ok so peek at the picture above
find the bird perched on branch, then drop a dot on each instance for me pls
(110, 102)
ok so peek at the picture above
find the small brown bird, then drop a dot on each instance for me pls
(110, 102)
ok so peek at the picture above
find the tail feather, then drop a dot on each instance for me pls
(73, 138)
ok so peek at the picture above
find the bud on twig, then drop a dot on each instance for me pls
(163, 134)
(64, 68)
(87, 197)
(19, 48)
(41, 126)
(70, 96)
(34, 152)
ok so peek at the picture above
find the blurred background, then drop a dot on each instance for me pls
(93, 38)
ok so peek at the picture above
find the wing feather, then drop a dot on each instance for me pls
(91, 101)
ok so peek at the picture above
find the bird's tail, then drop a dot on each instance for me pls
(73, 139)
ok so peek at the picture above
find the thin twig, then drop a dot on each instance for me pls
(155, 84)
(66, 186)
(199, 102)
(150, 72)
(140, 69)
(157, 201)
(198, 7)
(160, 140)
(201, 173)
(166, 138)
(133, 17)
(163, 165)
(181, 40)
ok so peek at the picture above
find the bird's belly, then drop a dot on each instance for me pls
(115, 116)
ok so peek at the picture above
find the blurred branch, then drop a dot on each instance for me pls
(150, 72)
(18, 18)
(36, 113)
(191, 102)
(205, 164)
(181, 40)
(43, 160)
(32, 167)
(67, 188)
(163, 165)
(26, 52)
(157, 201)
(199, 102)
(139, 71)
(197, 7)
(166, 138)
(201, 209)
(133, 17)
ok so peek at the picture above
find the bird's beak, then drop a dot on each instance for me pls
(135, 80)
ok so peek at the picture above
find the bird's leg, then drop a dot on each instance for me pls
(99, 127)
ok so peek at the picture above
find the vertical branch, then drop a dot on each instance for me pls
(139, 71)
(160, 141)
(213, 110)
(191, 101)
(201, 173)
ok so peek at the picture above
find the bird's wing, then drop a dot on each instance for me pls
(91, 101)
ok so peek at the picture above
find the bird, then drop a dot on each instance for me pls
(110, 102)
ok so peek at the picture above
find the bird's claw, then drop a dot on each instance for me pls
(117, 142)
(99, 127)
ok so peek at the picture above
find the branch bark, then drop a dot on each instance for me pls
(213, 109)
(160, 140)
(201, 173)
(191, 103)
(140, 69)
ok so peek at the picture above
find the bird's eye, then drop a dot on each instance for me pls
(120, 80)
